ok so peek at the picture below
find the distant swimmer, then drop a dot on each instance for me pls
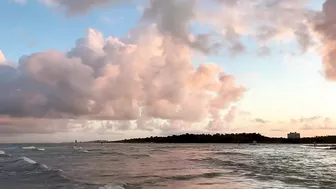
(75, 143)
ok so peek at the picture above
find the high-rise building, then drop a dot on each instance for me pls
(294, 135)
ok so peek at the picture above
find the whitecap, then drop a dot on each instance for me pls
(28, 160)
(40, 149)
(80, 149)
(44, 166)
(29, 147)
(2, 152)
(77, 147)
(112, 186)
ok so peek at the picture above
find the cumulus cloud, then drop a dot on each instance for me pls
(325, 27)
(150, 75)
(107, 79)
(231, 115)
(228, 21)
(2, 57)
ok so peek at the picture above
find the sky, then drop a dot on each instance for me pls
(115, 69)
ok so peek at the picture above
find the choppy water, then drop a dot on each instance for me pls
(157, 166)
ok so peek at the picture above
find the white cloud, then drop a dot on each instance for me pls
(2, 57)
(107, 79)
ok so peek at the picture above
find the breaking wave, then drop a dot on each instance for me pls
(113, 186)
(3, 154)
(80, 149)
(32, 148)
(25, 168)
(28, 147)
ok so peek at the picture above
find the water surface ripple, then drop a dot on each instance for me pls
(159, 166)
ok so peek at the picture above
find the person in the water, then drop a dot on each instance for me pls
(75, 142)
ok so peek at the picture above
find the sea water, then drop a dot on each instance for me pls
(159, 166)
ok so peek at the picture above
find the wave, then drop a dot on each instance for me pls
(158, 150)
(218, 162)
(113, 186)
(33, 148)
(40, 149)
(28, 160)
(28, 147)
(80, 149)
(139, 155)
(3, 154)
(25, 168)
(113, 153)
(190, 177)
(230, 153)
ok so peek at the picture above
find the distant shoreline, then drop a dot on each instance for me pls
(226, 138)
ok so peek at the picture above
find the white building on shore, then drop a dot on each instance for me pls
(294, 135)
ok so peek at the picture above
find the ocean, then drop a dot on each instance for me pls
(161, 166)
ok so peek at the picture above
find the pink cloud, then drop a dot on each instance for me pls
(2, 57)
(107, 79)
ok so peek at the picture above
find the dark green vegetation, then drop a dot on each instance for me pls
(226, 138)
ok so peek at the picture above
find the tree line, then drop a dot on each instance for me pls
(226, 138)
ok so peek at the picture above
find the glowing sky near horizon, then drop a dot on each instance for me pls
(114, 69)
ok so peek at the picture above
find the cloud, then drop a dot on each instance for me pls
(150, 75)
(305, 119)
(327, 122)
(80, 7)
(309, 119)
(107, 79)
(2, 57)
(228, 21)
(324, 25)
(314, 123)
(244, 113)
(16, 126)
(259, 120)
(278, 130)
(231, 115)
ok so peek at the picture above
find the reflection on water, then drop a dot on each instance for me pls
(157, 166)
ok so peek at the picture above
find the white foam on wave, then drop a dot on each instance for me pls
(112, 186)
(29, 147)
(2, 152)
(28, 160)
(80, 149)
(40, 149)
(44, 166)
